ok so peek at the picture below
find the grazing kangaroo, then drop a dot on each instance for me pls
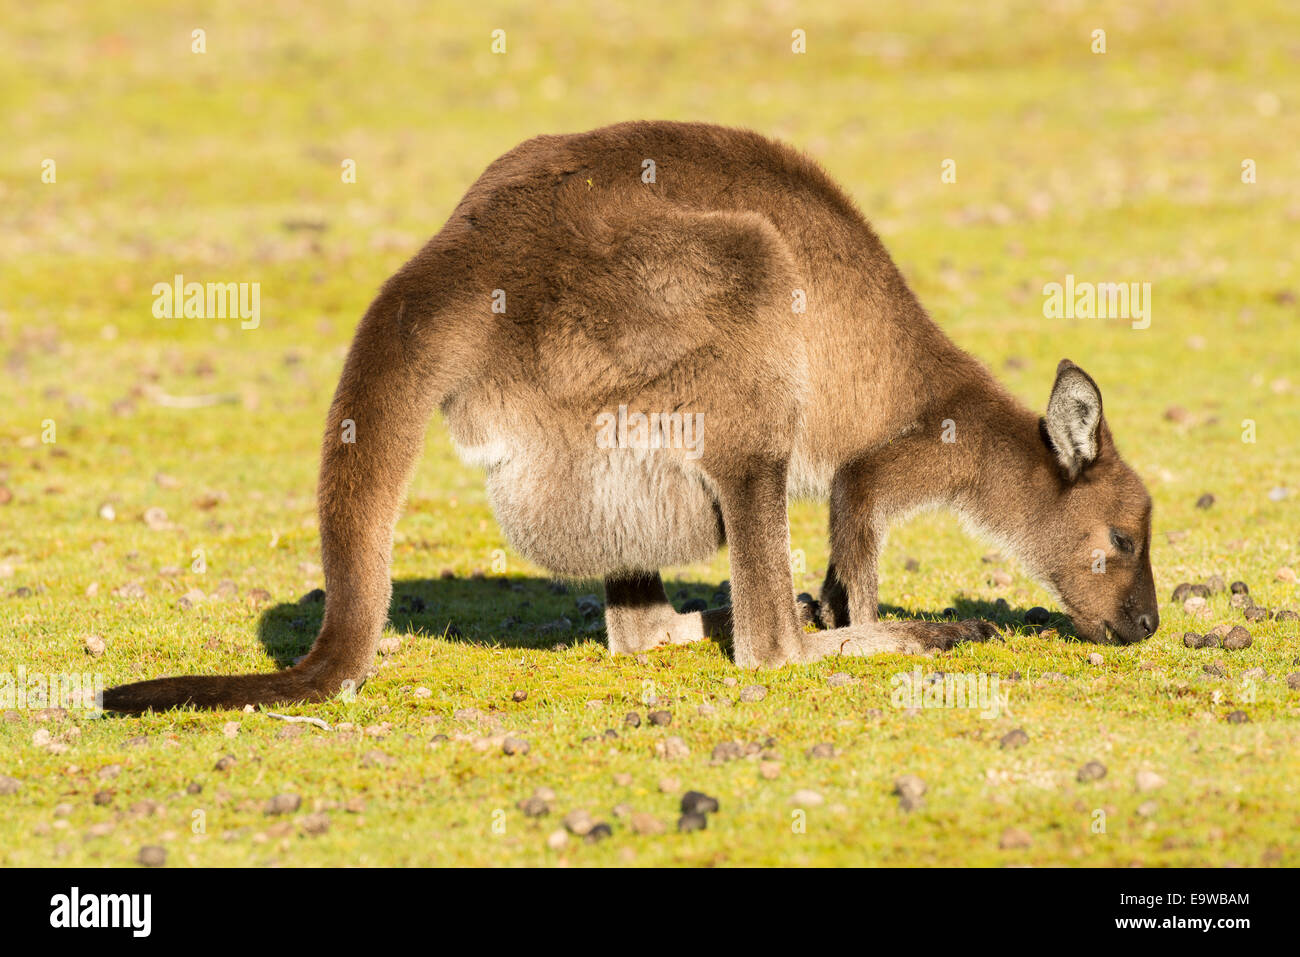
(648, 366)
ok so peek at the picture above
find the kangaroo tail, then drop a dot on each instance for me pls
(390, 385)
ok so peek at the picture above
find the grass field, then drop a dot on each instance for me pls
(227, 166)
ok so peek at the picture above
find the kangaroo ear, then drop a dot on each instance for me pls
(1074, 419)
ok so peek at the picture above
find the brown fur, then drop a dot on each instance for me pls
(676, 296)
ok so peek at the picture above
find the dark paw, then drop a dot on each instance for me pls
(833, 610)
(808, 610)
(977, 629)
(943, 637)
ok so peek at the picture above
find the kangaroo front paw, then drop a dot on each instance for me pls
(809, 611)
(717, 621)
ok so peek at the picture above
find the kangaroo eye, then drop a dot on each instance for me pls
(1121, 541)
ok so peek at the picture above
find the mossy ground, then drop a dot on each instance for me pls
(225, 166)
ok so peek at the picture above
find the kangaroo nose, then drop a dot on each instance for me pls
(1149, 623)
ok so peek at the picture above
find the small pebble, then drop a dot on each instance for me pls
(152, 855)
(692, 822)
(1292, 682)
(823, 749)
(317, 823)
(648, 824)
(94, 645)
(697, 802)
(9, 785)
(599, 831)
(805, 797)
(632, 719)
(909, 785)
(515, 746)
(1238, 717)
(752, 693)
(557, 840)
(725, 751)
(519, 695)
(579, 822)
(283, 804)
(672, 748)
(1092, 771)
(1256, 613)
(1236, 639)
(1096, 659)
(1205, 501)
(1037, 616)
(660, 719)
(534, 807)
(1016, 738)
(1215, 669)
(1014, 839)
(1148, 780)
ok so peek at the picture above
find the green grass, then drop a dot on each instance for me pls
(1116, 167)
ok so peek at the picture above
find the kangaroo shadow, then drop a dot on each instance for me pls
(998, 612)
(536, 612)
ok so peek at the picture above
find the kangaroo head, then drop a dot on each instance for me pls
(1095, 546)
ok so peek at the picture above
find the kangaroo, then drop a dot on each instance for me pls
(572, 300)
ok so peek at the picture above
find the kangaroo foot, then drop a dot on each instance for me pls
(894, 637)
